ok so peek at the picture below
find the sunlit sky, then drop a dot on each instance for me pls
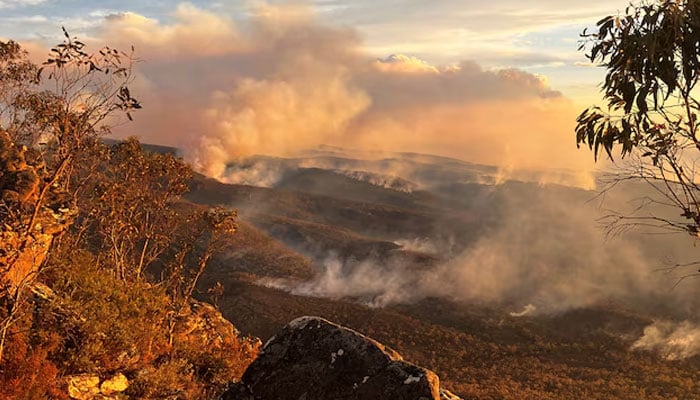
(497, 82)
(538, 36)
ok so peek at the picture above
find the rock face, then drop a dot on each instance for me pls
(83, 387)
(88, 387)
(116, 384)
(24, 247)
(314, 359)
(201, 323)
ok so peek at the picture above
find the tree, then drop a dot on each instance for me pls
(48, 114)
(651, 54)
(99, 253)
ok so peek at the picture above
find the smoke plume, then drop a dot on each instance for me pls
(672, 340)
(281, 80)
(546, 254)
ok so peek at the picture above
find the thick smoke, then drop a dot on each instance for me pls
(281, 81)
(672, 340)
(403, 172)
(546, 254)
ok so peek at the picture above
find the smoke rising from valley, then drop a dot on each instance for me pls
(546, 250)
(281, 80)
(544, 254)
(673, 340)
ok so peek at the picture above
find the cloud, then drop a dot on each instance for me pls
(441, 30)
(401, 63)
(281, 80)
(194, 33)
(25, 19)
(20, 3)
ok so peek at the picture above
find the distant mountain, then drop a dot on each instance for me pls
(506, 288)
(154, 148)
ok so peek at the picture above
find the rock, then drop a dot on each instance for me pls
(224, 353)
(314, 359)
(116, 384)
(83, 387)
(27, 228)
(202, 323)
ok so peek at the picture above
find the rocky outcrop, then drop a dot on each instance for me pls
(116, 384)
(314, 359)
(203, 325)
(88, 387)
(30, 217)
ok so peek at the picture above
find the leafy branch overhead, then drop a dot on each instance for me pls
(111, 63)
(652, 57)
(651, 54)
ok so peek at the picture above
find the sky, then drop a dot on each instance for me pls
(497, 82)
(539, 36)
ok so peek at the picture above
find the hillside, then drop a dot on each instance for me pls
(485, 354)
(365, 244)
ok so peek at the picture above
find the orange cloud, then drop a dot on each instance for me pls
(283, 81)
(402, 63)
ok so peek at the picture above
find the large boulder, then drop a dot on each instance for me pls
(88, 387)
(314, 359)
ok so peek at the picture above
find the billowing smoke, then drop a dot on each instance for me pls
(255, 174)
(672, 340)
(546, 254)
(527, 310)
(281, 80)
(367, 282)
(398, 171)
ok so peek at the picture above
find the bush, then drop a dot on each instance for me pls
(27, 372)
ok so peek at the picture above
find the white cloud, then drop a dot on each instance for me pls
(25, 19)
(404, 64)
(20, 3)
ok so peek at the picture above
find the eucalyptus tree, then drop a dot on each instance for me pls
(651, 56)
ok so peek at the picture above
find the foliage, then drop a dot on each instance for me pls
(124, 195)
(652, 62)
(28, 372)
(46, 115)
(115, 292)
(90, 321)
(55, 109)
(113, 326)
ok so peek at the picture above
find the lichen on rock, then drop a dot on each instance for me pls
(116, 384)
(314, 359)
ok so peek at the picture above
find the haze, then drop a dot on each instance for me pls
(498, 84)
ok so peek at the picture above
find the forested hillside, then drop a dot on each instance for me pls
(99, 255)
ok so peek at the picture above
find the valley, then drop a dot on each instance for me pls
(377, 259)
